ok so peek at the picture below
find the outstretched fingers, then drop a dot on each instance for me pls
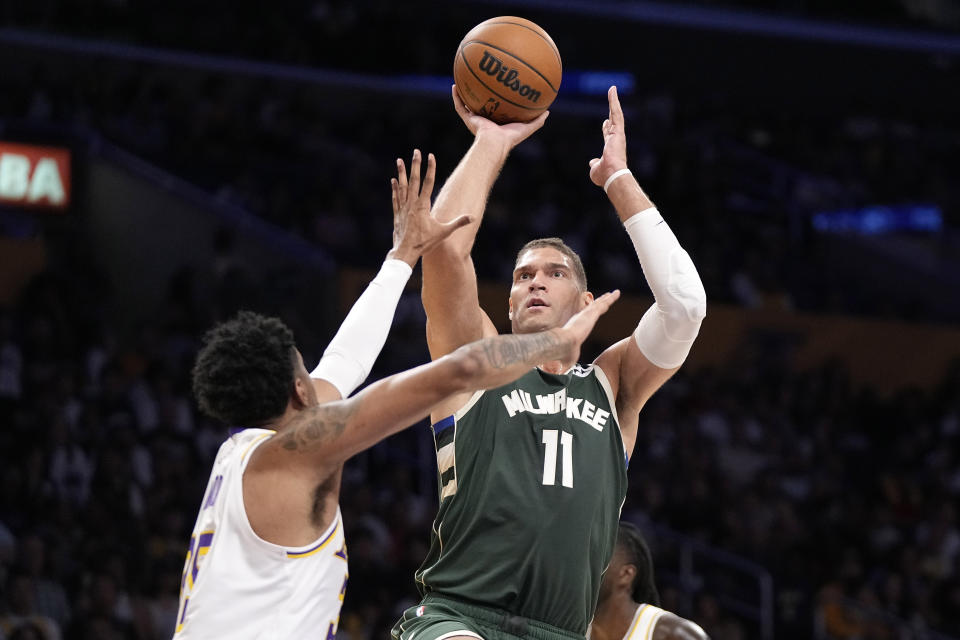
(442, 231)
(602, 304)
(414, 185)
(401, 182)
(463, 110)
(394, 199)
(616, 113)
(581, 324)
(539, 121)
(458, 102)
(456, 223)
(427, 189)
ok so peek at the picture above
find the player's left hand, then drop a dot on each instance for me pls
(614, 155)
(415, 231)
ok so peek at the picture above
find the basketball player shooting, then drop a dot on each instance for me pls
(629, 603)
(268, 557)
(533, 474)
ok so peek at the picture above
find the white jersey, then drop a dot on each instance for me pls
(643, 623)
(237, 585)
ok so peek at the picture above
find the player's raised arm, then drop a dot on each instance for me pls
(326, 435)
(449, 293)
(639, 365)
(349, 357)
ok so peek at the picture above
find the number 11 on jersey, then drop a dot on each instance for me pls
(550, 437)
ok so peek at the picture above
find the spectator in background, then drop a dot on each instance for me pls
(629, 604)
(20, 612)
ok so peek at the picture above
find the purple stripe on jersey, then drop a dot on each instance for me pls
(203, 542)
(297, 554)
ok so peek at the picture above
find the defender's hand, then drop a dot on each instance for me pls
(579, 326)
(511, 134)
(614, 155)
(415, 231)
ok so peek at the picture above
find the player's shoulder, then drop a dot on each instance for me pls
(240, 442)
(670, 626)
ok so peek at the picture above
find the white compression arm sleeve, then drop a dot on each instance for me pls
(667, 330)
(348, 358)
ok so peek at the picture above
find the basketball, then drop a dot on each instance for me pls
(507, 69)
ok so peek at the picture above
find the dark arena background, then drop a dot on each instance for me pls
(163, 165)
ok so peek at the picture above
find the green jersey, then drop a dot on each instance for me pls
(532, 479)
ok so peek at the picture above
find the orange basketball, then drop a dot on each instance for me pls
(507, 69)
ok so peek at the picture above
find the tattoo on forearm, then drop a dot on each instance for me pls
(315, 426)
(504, 351)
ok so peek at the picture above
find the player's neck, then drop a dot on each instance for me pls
(284, 420)
(613, 618)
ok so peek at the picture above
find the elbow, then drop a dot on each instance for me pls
(685, 299)
(696, 307)
(685, 307)
(465, 370)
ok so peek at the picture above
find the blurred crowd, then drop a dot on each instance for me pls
(299, 31)
(848, 499)
(317, 161)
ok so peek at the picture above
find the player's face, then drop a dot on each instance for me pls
(612, 575)
(545, 293)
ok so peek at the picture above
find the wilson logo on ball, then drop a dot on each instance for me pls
(493, 66)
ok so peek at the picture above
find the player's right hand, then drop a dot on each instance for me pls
(511, 134)
(415, 231)
(580, 325)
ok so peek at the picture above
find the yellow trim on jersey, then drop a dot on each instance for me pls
(636, 621)
(255, 441)
(320, 545)
(645, 621)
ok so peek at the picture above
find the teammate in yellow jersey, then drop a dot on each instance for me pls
(628, 608)
(267, 558)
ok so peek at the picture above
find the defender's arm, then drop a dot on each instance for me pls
(323, 436)
(348, 358)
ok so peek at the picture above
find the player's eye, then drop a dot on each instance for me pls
(523, 276)
(558, 274)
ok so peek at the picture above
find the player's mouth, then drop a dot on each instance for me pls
(534, 303)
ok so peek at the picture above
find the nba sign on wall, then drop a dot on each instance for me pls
(37, 177)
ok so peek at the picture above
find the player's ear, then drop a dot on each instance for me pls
(627, 574)
(585, 298)
(510, 309)
(301, 395)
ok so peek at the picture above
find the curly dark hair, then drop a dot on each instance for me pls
(244, 373)
(579, 274)
(643, 590)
